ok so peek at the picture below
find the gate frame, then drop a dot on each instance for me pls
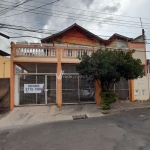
(17, 86)
(79, 102)
(129, 88)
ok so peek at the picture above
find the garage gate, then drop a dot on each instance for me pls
(122, 89)
(35, 89)
(76, 89)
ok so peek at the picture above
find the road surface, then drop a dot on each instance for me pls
(125, 131)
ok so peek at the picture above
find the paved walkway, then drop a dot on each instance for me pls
(127, 105)
(41, 114)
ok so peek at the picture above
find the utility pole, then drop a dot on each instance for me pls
(141, 22)
(143, 34)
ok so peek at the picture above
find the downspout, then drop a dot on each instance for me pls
(148, 80)
(4, 70)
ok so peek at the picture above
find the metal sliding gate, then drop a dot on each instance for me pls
(36, 88)
(122, 89)
(76, 90)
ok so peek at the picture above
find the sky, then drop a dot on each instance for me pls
(101, 17)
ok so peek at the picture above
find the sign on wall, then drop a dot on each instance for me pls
(33, 88)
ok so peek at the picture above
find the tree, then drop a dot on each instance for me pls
(109, 67)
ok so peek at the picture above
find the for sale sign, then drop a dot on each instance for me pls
(33, 88)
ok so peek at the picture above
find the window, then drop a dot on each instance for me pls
(137, 93)
(143, 92)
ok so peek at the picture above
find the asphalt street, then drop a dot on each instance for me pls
(124, 131)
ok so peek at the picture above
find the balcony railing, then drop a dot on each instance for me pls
(74, 53)
(35, 52)
(48, 50)
(25, 50)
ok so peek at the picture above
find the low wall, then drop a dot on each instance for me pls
(4, 94)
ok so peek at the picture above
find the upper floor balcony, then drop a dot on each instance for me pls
(27, 52)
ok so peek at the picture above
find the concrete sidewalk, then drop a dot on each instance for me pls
(28, 115)
(41, 114)
(127, 105)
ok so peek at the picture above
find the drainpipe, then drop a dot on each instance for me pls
(4, 70)
(148, 79)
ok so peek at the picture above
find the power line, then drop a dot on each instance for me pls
(3, 35)
(46, 14)
(94, 11)
(22, 36)
(46, 33)
(31, 29)
(85, 20)
(11, 32)
(22, 28)
(63, 16)
(64, 42)
(14, 27)
(89, 10)
(64, 26)
(3, 42)
(79, 14)
(13, 6)
(34, 8)
(26, 36)
(129, 22)
(35, 31)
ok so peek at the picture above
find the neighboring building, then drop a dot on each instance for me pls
(42, 65)
(4, 65)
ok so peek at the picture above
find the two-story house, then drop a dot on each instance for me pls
(49, 69)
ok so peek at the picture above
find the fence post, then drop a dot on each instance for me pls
(131, 90)
(97, 92)
(59, 79)
(12, 72)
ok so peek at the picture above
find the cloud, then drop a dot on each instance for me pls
(88, 3)
(111, 9)
(95, 19)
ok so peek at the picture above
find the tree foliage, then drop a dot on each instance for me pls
(109, 67)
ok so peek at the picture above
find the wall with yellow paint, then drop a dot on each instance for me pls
(141, 87)
(140, 54)
(113, 44)
(4, 67)
(140, 51)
